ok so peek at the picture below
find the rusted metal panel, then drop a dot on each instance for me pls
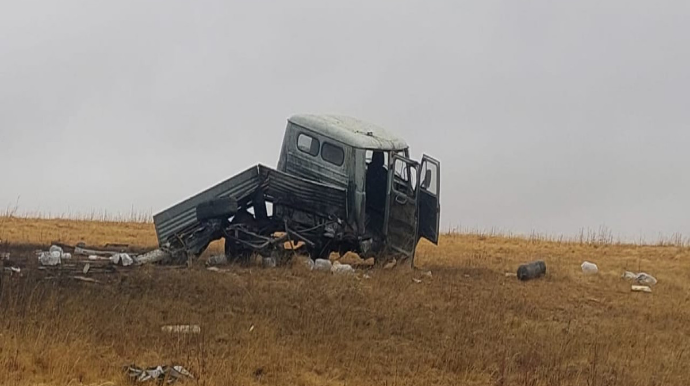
(183, 215)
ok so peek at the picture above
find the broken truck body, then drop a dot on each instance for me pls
(340, 185)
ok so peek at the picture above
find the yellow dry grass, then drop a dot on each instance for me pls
(468, 324)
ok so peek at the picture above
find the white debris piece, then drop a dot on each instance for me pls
(159, 374)
(641, 288)
(50, 258)
(54, 256)
(122, 258)
(323, 265)
(152, 256)
(589, 268)
(641, 278)
(338, 268)
(182, 329)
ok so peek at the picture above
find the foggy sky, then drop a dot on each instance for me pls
(547, 116)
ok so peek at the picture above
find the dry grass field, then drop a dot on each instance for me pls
(468, 324)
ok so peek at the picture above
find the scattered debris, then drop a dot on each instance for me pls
(427, 274)
(323, 265)
(365, 276)
(414, 279)
(338, 268)
(251, 328)
(531, 270)
(122, 259)
(53, 257)
(589, 268)
(86, 268)
(78, 250)
(168, 374)
(153, 257)
(217, 260)
(13, 269)
(182, 329)
(4, 255)
(641, 278)
(641, 288)
(510, 274)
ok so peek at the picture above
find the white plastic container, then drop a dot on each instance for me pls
(589, 268)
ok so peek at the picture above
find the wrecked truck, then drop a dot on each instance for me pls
(340, 185)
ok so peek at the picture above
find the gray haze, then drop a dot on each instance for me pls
(547, 116)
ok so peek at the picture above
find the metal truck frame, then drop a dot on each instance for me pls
(323, 197)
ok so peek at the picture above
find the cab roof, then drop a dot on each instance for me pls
(350, 131)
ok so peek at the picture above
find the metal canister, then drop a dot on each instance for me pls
(531, 270)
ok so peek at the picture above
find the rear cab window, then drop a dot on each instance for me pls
(333, 154)
(308, 144)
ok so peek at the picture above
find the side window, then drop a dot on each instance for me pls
(429, 176)
(333, 154)
(308, 144)
(406, 177)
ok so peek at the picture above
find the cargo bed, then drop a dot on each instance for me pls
(275, 186)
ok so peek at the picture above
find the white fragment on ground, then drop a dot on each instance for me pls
(122, 259)
(641, 278)
(340, 269)
(589, 268)
(641, 288)
(182, 329)
(152, 256)
(50, 258)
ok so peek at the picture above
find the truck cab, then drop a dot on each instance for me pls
(392, 200)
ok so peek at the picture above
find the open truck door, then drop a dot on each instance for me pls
(429, 197)
(400, 223)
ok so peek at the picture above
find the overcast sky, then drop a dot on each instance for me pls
(546, 115)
